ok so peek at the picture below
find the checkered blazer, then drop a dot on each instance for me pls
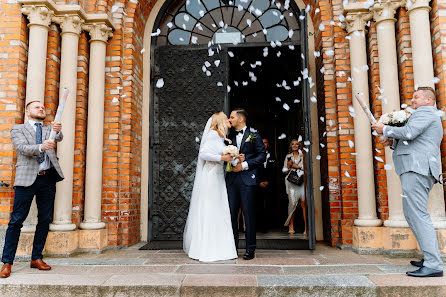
(24, 139)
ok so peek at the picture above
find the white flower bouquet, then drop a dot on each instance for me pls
(232, 151)
(395, 118)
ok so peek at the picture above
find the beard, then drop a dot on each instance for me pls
(39, 117)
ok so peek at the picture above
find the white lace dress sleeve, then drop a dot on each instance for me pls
(212, 148)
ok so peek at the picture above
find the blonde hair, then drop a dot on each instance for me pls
(219, 124)
(290, 148)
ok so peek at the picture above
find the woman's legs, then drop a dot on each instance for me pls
(304, 211)
(291, 225)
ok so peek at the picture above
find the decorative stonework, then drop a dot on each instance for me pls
(99, 31)
(416, 4)
(385, 10)
(70, 24)
(38, 15)
(357, 20)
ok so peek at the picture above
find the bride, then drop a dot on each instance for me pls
(208, 233)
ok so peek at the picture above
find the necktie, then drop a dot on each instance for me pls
(39, 140)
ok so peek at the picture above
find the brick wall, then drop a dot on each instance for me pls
(13, 58)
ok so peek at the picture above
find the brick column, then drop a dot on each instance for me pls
(424, 76)
(99, 34)
(383, 13)
(355, 25)
(71, 28)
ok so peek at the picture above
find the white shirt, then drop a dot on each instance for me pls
(238, 139)
(46, 164)
(266, 160)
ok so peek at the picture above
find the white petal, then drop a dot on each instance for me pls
(388, 167)
(158, 31)
(217, 63)
(160, 83)
(321, 188)
(379, 159)
(318, 157)
(286, 107)
(282, 136)
(351, 143)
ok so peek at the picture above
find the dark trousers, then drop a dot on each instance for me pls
(263, 208)
(239, 192)
(44, 188)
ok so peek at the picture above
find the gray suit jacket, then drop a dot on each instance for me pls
(24, 139)
(417, 144)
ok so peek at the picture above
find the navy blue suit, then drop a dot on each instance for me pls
(242, 186)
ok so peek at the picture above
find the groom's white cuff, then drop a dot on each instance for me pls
(245, 165)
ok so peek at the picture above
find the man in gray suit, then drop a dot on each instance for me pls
(37, 171)
(416, 159)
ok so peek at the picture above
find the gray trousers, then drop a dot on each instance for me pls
(416, 188)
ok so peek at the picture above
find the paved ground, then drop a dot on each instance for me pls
(129, 272)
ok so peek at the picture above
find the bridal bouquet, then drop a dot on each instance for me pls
(395, 118)
(233, 151)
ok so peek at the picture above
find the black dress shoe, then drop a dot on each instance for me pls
(425, 272)
(417, 263)
(249, 255)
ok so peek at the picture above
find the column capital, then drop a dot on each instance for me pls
(356, 20)
(416, 4)
(385, 10)
(38, 15)
(70, 23)
(99, 31)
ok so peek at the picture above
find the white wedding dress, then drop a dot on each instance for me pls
(208, 233)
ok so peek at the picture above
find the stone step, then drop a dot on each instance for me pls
(168, 284)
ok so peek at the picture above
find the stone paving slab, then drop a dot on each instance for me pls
(229, 269)
(333, 270)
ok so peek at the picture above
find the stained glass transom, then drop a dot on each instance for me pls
(223, 21)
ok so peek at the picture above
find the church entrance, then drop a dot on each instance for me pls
(209, 56)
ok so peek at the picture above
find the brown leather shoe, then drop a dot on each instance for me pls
(39, 264)
(6, 270)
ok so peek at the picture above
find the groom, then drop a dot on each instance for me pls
(242, 181)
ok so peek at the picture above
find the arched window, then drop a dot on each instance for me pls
(222, 21)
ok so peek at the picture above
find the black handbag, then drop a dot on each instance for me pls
(295, 178)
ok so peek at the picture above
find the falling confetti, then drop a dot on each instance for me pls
(278, 99)
(114, 8)
(220, 84)
(231, 54)
(197, 139)
(282, 136)
(436, 80)
(296, 101)
(388, 167)
(351, 143)
(160, 83)
(158, 32)
(321, 188)
(347, 174)
(286, 107)
(318, 157)
(143, 50)
(115, 100)
(379, 159)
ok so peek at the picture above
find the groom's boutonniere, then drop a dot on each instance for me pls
(251, 137)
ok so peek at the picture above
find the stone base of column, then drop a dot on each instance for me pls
(62, 227)
(62, 243)
(368, 222)
(92, 225)
(399, 239)
(25, 246)
(93, 240)
(441, 237)
(399, 223)
(367, 237)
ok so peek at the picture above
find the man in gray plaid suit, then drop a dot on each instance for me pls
(37, 171)
(416, 158)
